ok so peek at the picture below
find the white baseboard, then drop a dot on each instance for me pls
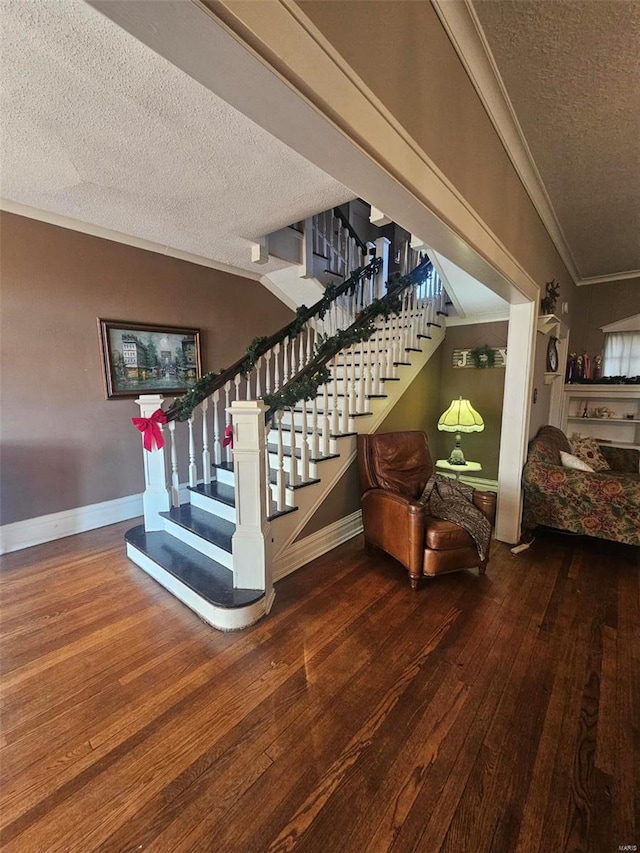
(303, 551)
(57, 525)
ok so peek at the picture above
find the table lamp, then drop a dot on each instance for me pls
(460, 417)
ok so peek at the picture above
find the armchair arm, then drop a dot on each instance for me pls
(395, 524)
(486, 503)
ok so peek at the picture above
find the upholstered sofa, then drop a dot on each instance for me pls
(605, 504)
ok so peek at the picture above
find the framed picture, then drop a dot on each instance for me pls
(142, 359)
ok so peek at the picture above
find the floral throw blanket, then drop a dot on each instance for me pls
(453, 501)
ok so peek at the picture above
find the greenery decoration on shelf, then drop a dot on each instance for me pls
(483, 357)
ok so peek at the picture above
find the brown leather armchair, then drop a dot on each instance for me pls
(394, 468)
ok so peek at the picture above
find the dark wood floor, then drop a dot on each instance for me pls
(479, 714)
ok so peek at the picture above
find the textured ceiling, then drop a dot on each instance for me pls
(99, 128)
(572, 73)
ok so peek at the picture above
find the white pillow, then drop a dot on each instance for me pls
(569, 461)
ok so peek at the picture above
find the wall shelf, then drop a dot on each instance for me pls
(618, 431)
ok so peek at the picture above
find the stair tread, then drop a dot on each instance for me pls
(217, 530)
(209, 579)
(218, 491)
(224, 466)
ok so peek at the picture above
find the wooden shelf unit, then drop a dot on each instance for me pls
(621, 400)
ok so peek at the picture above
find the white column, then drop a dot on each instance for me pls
(156, 497)
(251, 541)
(516, 409)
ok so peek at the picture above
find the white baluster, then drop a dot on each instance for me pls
(377, 358)
(326, 428)
(258, 383)
(281, 494)
(294, 365)
(267, 372)
(360, 400)
(315, 438)
(193, 471)
(335, 408)
(285, 366)
(206, 455)
(175, 478)
(217, 446)
(227, 417)
(236, 382)
(302, 340)
(248, 387)
(367, 368)
(353, 401)
(310, 331)
(304, 446)
(293, 467)
(276, 367)
(268, 497)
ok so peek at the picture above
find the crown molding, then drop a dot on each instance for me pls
(62, 221)
(605, 279)
(465, 32)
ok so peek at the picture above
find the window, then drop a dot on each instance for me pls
(621, 354)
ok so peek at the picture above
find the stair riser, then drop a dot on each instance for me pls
(213, 506)
(289, 495)
(209, 549)
(224, 476)
(224, 619)
(273, 465)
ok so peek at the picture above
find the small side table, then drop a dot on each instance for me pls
(467, 468)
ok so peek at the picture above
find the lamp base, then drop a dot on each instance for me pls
(457, 456)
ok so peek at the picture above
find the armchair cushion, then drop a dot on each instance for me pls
(442, 535)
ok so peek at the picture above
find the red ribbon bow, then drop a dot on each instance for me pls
(150, 427)
(228, 436)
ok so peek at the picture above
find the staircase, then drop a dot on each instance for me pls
(219, 542)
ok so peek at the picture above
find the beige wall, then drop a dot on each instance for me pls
(403, 54)
(598, 305)
(483, 387)
(416, 409)
(63, 444)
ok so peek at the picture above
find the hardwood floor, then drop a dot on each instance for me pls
(478, 714)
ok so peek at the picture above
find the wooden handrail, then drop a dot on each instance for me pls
(368, 313)
(221, 379)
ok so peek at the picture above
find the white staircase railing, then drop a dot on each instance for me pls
(311, 387)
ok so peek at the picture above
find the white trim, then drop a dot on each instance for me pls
(467, 36)
(68, 522)
(222, 618)
(629, 324)
(604, 279)
(516, 413)
(393, 173)
(473, 319)
(57, 525)
(118, 237)
(316, 544)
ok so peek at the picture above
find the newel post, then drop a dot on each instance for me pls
(382, 277)
(252, 540)
(156, 497)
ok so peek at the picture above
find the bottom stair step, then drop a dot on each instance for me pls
(211, 581)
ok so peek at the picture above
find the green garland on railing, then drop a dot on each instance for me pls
(307, 386)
